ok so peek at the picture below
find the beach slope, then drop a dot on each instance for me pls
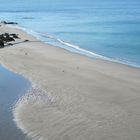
(79, 98)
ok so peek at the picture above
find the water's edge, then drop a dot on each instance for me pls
(32, 94)
(12, 88)
(57, 42)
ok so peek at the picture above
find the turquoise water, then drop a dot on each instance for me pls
(12, 87)
(105, 27)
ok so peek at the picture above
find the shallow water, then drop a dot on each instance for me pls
(12, 87)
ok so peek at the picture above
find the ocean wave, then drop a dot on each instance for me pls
(66, 45)
(53, 40)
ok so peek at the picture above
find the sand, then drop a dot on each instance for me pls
(79, 98)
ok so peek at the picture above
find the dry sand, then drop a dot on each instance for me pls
(83, 98)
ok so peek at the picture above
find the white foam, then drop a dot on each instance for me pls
(34, 95)
(67, 44)
(72, 47)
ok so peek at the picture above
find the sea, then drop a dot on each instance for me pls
(107, 29)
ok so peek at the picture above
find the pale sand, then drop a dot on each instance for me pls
(89, 99)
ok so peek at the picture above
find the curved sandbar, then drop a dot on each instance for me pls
(89, 98)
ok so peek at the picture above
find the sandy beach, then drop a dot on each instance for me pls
(79, 98)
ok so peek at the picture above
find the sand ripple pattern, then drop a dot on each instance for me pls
(42, 117)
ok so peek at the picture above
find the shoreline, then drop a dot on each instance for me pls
(9, 94)
(73, 48)
(82, 98)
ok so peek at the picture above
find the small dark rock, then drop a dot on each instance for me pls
(14, 36)
(10, 44)
(9, 39)
(26, 40)
(1, 44)
(5, 22)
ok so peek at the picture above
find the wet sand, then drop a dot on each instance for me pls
(82, 98)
